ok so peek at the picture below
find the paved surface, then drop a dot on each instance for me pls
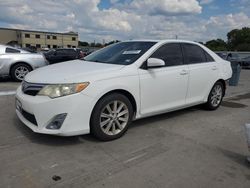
(243, 86)
(6, 84)
(188, 148)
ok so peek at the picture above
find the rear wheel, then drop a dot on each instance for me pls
(215, 96)
(111, 117)
(19, 71)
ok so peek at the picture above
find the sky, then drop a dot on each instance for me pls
(107, 20)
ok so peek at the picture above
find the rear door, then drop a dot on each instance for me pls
(62, 55)
(54, 56)
(164, 88)
(71, 54)
(203, 72)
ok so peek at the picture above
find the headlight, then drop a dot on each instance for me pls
(59, 90)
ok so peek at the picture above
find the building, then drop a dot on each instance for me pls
(38, 39)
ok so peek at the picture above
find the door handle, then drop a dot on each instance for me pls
(214, 68)
(184, 72)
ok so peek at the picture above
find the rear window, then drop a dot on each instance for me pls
(194, 54)
(11, 50)
(208, 57)
(71, 52)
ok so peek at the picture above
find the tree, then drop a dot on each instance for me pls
(217, 45)
(239, 39)
(112, 42)
(98, 45)
(92, 44)
(81, 43)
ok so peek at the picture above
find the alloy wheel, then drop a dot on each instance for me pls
(20, 72)
(216, 95)
(114, 117)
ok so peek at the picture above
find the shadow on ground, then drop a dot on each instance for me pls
(6, 79)
(52, 140)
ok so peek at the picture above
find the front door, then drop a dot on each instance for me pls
(165, 88)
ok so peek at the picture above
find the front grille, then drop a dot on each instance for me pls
(30, 117)
(31, 89)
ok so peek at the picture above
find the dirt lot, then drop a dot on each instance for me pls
(188, 148)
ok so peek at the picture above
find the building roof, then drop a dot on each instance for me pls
(24, 30)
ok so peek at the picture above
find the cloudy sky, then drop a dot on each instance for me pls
(198, 20)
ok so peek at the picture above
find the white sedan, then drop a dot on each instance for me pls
(104, 92)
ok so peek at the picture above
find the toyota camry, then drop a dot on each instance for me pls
(104, 92)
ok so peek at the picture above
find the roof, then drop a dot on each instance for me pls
(164, 41)
(3, 47)
(23, 30)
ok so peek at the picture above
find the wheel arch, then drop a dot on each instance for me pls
(221, 80)
(20, 62)
(224, 85)
(124, 92)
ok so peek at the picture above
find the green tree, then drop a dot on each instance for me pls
(217, 45)
(98, 45)
(112, 42)
(81, 43)
(92, 44)
(239, 39)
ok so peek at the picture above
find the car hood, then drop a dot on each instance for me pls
(71, 72)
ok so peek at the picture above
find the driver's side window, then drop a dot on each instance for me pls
(170, 53)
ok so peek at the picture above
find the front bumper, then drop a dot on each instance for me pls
(77, 106)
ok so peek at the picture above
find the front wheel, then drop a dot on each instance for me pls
(215, 96)
(19, 71)
(111, 117)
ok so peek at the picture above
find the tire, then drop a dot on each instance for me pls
(215, 96)
(19, 71)
(106, 125)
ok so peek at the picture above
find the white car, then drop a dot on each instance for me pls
(130, 80)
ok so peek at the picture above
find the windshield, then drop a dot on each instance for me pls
(123, 53)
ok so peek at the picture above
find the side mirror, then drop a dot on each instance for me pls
(155, 62)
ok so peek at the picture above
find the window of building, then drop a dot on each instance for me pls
(194, 54)
(38, 45)
(73, 39)
(37, 36)
(73, 46)
(27, 45)
(11, 50)
(69, 46)
(54, 37)
(27, 35)
(170, 53)
(54, 46)
(48, 46)
(48, 36)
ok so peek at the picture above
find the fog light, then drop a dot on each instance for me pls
(57, 121)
